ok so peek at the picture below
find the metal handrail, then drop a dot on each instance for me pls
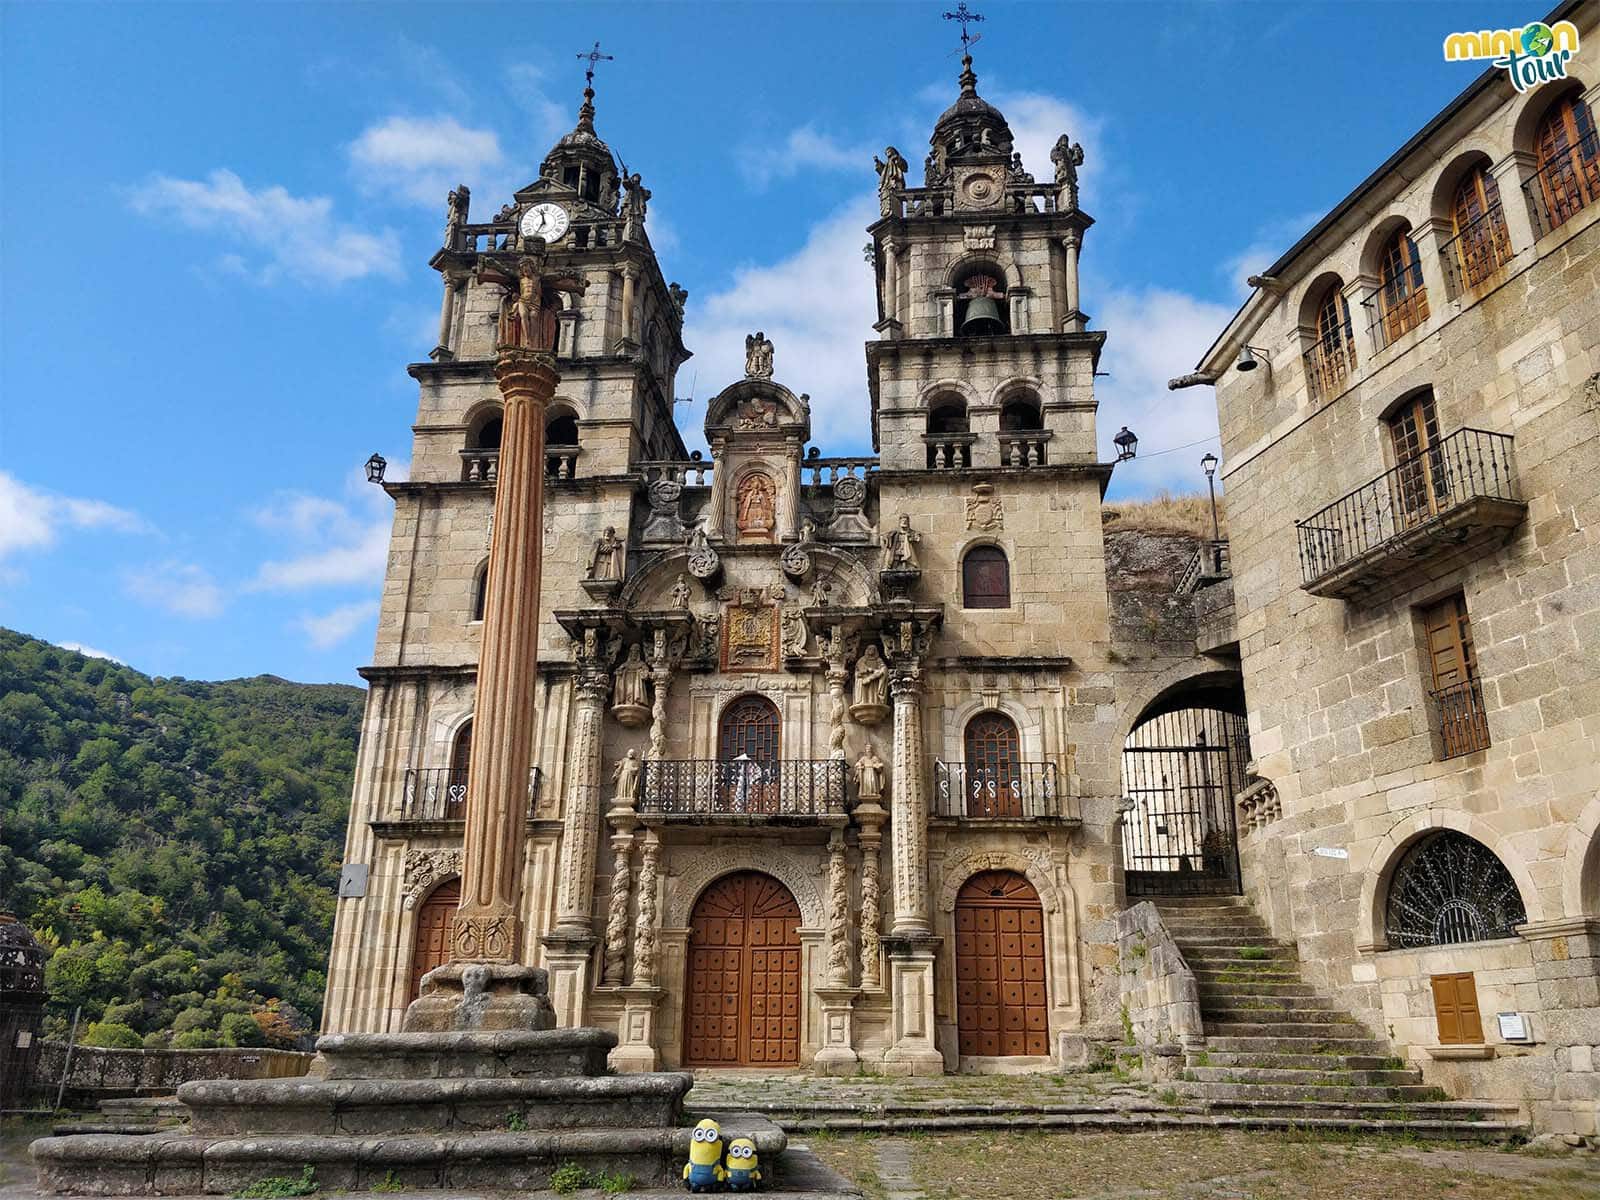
(1328, 364)
(1014, 791)
(743, 787)
(1480, 249)
(440, 793)
(1392, 315)
(1463, 721)
(1466, 465)
(1566, 185)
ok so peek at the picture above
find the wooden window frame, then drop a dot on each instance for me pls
(1456, 1015)
(1402, 292)
(1483, 243)
(992, 748)
(1569, 159)
(992, 556)
(1421, 483)
(1456, 690)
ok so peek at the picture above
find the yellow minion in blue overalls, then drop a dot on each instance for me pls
(703, 1172)
(744, 1170)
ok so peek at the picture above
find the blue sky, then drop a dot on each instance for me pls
(217, 221)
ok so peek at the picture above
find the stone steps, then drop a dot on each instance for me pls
(1457, 1111)
(1291, 1062)
(1223, 989)
(1303, 1093)
(551, 1053)
(1336, 1074)
(1286, 1044)
(1266, 1012)
(359, 1107)
(162, 1164)
(1331, 1031)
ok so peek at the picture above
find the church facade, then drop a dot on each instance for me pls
(828, 750)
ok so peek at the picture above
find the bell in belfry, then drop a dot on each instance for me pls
(983, 310)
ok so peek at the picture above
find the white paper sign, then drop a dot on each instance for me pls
(1513, 1026)
(1332, 852)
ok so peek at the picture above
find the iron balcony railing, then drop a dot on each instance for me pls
(743, 787)
(1481, 248)
(1469, 464)
(1015, 792)
(440, 794)
(1394, 310)
(1328, 364)
(1565, 185)
(1463, 724)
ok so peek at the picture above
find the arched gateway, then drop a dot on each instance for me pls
(431, 945)
(744, 975)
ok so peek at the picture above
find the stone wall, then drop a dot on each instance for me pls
(99, 1073)
(1160, 1000)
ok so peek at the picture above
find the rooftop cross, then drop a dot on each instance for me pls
(961, 14)
(594, 56)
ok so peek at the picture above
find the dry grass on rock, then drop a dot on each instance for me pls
(1166, 513)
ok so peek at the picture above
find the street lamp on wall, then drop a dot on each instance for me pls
(1209, 465)
(1127, 444)
(376, 465)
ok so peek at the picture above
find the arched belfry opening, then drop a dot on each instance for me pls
(1183, 763)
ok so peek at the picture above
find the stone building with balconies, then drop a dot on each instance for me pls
(1410, 413)
(827, 753)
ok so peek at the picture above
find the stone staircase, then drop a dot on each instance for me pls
(1278, 1054)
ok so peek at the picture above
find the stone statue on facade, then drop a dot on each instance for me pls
(608, 195)
(1067, 156)
(757, 356)
(868, 704)
(637, 198)
(680, 297)
(796, 633)
(821, 593)
(891, 178)
(869, 776)
(606, 561)
(756, 506)
(680, 593)
(630, 704)
(456, 207)
(625, 779)
(1018, 173)
(900, 547)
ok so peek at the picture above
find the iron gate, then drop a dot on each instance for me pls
(1181, 771)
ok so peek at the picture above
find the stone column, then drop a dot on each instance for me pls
(569, 945)
(1508, 174)
(870, 818)
(486, 932)
(646, 935)
(909, 804)
(447, 318)
(1430, 237)
(630, 283)
(789, 518)
(661, 685)
(636, 1049)
(891, 280)
(1072, 319)
(623, 820)
(719, 491)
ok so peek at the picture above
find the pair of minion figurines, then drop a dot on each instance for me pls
(709, 1171)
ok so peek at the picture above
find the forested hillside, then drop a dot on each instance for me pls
(175, 845)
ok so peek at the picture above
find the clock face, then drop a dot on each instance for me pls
(547, 221)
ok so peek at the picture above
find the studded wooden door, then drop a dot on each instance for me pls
(1001, 1004)
(744, 975)
(432, 943)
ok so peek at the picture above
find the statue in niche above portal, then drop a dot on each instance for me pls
(628, 684)
(681, 592)
(756, 506)
(869, 776)
(871, 686)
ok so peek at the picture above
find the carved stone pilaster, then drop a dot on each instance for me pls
(838, 675)
(661, 684)
(719, 492)
(909, 805)
(871, 899)
(646, 934)
(838, 959)
(580, 835)
(616, 962)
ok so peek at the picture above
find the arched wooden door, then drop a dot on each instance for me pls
(1001, 1002)
(994, 752)
(744, 975)
(431, 947)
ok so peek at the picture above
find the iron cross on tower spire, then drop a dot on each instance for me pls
(968, 39)
(594, 56)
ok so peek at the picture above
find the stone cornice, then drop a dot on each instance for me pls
(461, 672)
(1001, 662)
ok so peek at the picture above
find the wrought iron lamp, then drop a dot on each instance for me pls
(1127, 444)
(1209, 465)
(376, 465)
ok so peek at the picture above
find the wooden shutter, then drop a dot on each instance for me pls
(1455, 1005)
(1569, 164)
(1450, 653)
(985, 578)
(1422, 482)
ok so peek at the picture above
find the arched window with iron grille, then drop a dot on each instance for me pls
(748, 755)
(1450, 888)
(993, 768)
(1569, 161)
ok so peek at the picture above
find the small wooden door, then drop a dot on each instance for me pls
(994, 778)
(1001, 1003)
(1422, 483)
(744, 975)
(1453, 664)
(431, 947)
(1455, 1006)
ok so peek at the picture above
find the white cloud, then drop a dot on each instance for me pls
(1152, 336)
(32, 519)
(335, 626)
(550, 119)
(817, 307)
(804, 149)
(1037, 120)
(89, 651)
(422, 158)
(1266, 247)
(185, 589)
(344, 544)
(296, 237)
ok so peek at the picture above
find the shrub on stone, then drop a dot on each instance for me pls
(113, 1035)
(197, 1039)
(240, 1029)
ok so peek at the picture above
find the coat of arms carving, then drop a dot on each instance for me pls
(985, 510)
(750, 639)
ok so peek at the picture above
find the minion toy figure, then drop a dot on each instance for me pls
(703, 1172)
(744, 1171)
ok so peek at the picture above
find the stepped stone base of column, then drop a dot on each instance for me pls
(459, 1110)
(482, 996)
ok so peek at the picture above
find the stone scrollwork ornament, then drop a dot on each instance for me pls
(796, 557)
(849, 496)
(704, 562)
(663, 524)
(424, 868)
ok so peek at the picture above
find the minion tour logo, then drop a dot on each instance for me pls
(1537, 53)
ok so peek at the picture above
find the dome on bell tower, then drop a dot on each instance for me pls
(582, 161)
(970, 128)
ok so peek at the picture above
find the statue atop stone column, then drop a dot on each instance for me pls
(900, 547)
(891, 179)
(757, 356)
(869, 776)
(868, 704)
(630, 704)
(625, 779)
(606, 561)
(457, 205)
(1067, 156)
(636, 198)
